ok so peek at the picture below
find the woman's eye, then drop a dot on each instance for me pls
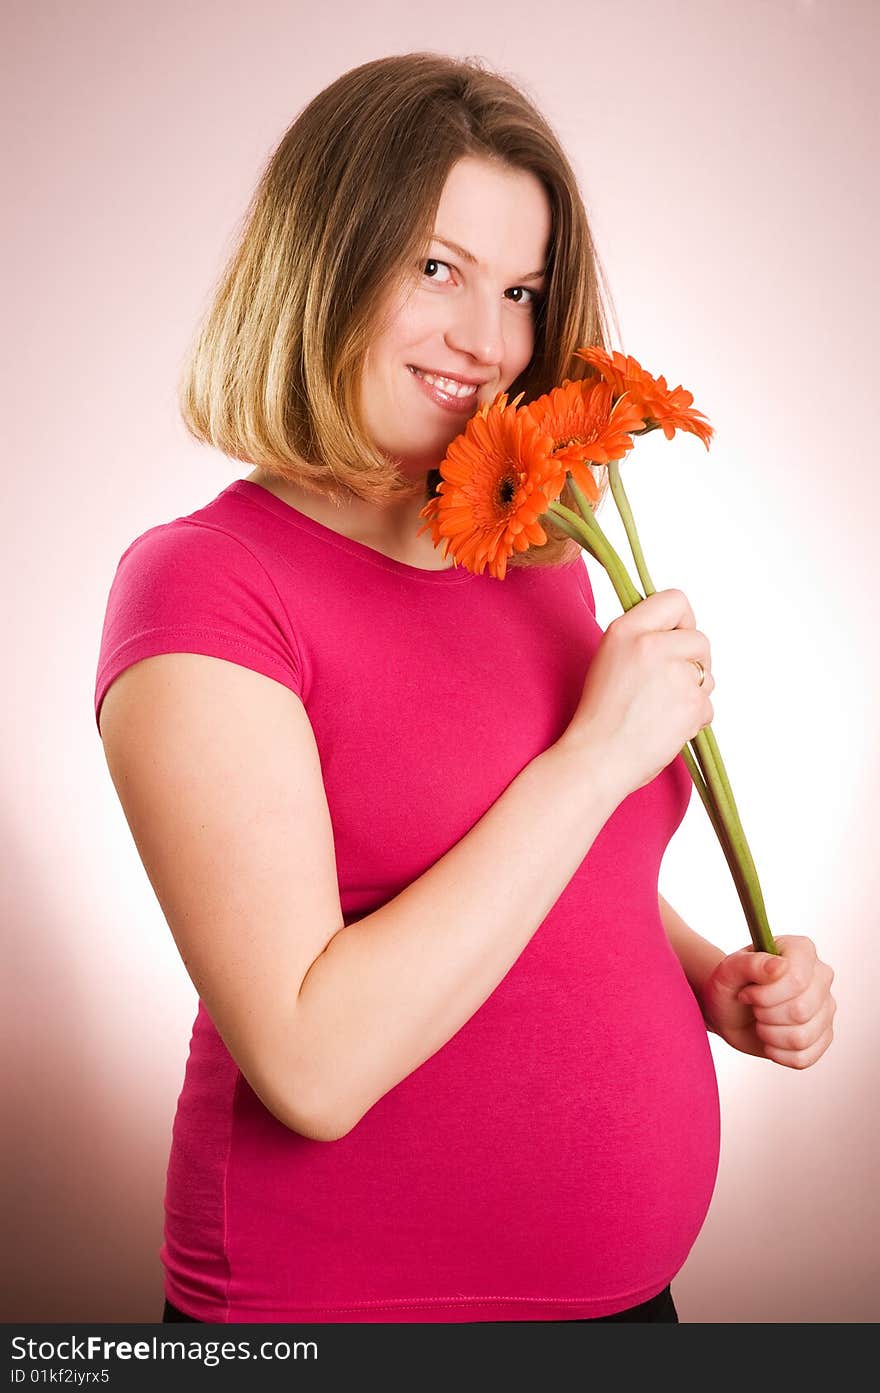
(432, 261)
(535, 295)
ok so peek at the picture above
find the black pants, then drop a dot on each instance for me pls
(660, 1308)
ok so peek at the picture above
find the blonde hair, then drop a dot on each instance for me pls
(345, 204)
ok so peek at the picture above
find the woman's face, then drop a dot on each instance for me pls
(470, 319)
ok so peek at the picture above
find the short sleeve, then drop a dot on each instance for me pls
(192, 587)
(583, 576)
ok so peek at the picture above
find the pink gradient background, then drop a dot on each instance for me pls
(728, 156)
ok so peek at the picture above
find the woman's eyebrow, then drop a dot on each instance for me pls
(469, 256)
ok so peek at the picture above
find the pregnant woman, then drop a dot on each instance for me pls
(450, 1060)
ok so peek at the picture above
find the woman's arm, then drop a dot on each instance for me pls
(697, 955)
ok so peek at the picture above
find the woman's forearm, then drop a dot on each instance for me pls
(391, 989)
(698, 957)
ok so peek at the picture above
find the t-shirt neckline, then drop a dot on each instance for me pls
(265, 499)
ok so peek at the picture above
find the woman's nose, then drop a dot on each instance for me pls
(477, 330)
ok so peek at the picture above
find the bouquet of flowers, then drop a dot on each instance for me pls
(506, 471)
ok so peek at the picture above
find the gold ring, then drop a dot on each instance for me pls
(697, 662)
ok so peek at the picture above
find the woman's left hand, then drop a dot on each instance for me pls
(778, 1006)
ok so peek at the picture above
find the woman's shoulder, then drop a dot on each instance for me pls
(193, 585)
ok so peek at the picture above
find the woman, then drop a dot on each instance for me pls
(405, 821)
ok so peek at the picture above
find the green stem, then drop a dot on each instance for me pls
(588, 532)
(764, 941)
(629, 524)
(593, 539)
(736, 848)
(710, 776)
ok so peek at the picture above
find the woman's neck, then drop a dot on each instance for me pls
(390, 530)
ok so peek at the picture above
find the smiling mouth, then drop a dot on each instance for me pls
(461, 391)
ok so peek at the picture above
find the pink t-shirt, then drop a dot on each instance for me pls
(556, 1158)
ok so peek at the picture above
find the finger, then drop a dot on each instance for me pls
(778, 977)
(749, 967)
(794, 1010)
(774, 981)
(800, 1059)
(791, 1036)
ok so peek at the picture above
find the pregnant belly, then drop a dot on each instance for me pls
(561, 1146)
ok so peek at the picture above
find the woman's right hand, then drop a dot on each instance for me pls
(642, 702)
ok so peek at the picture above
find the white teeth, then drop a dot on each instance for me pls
(447, 385)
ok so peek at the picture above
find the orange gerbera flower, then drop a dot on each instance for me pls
(663, 406)
(585, 426)
(498, 477)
